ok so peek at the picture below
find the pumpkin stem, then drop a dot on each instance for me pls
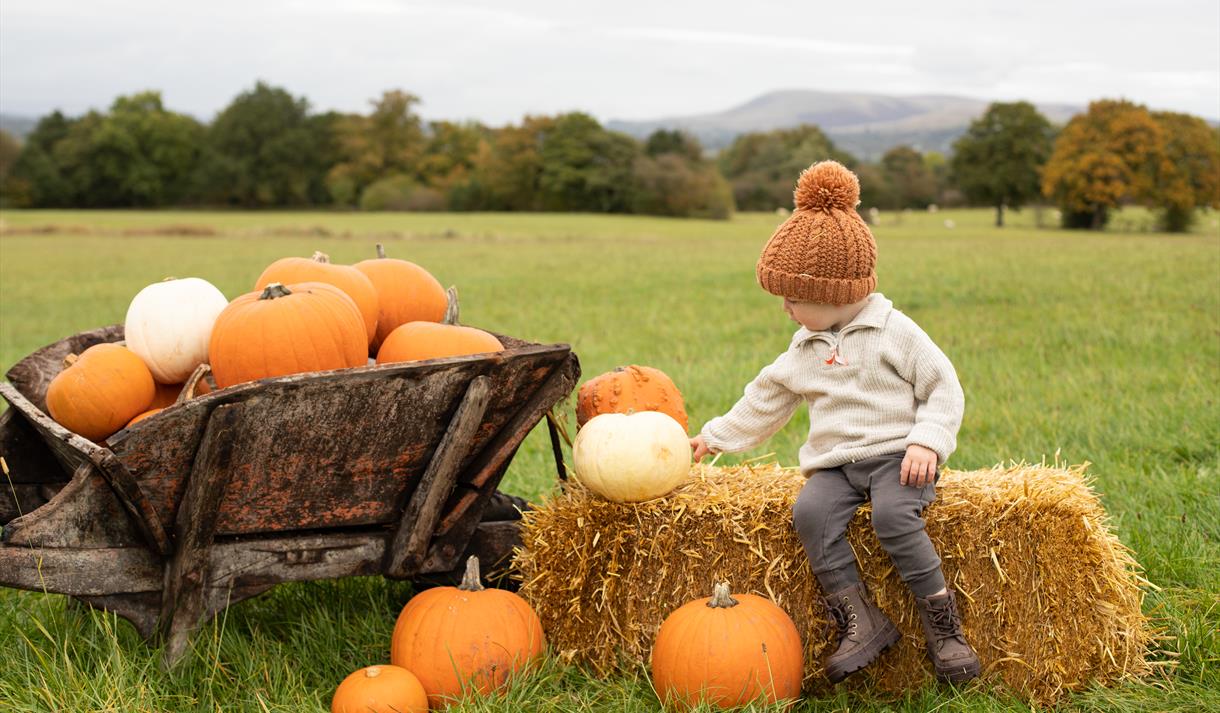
(451, 308)
(70, 360)
(274, 290)
(319, 256)
(188, 390)
(721, 599)
(470, 580)
(372, 672)
(380, 251)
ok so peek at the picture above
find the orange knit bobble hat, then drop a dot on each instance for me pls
(823, 252)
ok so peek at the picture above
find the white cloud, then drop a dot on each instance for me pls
(496, 61)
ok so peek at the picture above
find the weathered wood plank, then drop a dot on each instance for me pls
(134, 501)
(74, 451)
(140, 609)
(496, 454)
(84, 514)
(183, 602)
(79, 572)
(414, 531)
(485, 472)
(493, 543)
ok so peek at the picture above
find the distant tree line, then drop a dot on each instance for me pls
(268, 149)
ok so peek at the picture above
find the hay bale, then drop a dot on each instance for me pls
(1050, 598)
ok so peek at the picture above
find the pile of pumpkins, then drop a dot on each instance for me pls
(726, 650)
(304, 315)
(447, 642)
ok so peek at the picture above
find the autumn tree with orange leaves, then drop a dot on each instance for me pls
(1119, 153)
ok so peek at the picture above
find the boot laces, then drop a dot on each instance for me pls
(945, 622)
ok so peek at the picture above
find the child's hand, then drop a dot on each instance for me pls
(918, 467)
(698, 448)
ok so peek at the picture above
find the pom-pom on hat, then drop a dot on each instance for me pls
(824, 252)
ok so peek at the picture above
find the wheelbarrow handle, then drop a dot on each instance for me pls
(553, 428)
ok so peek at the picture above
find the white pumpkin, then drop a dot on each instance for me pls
(629, 458)
(170, 323)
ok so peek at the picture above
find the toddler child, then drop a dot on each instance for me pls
(884, 409)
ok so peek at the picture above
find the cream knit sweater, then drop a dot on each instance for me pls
(875, 387)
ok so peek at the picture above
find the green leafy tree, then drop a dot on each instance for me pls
(1103, 159)
(1188, 174)
(911, 184)
(507, 171)
(673, 178)
(262, 151)
(388, 142)
(585, 167)
(875, 189)
(673, 141)
(36, 179)
(139, 154)
(763, 167)
(998, 161)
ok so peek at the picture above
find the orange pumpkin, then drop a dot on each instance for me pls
(309, 326)
(465, 638)
(353, 282)
(406, 292)
(141, 417)
(380, 689)
(429, 340)
(166, 395)
(627, 389)
(100, 391)
(727, 650)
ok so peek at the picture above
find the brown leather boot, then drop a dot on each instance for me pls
(864, 631)
(954, 660)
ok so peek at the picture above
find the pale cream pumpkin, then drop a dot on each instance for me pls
(169, 325)
(632, 457)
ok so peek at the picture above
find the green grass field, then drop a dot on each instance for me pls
(1096, 347)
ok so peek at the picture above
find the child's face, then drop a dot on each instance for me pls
(813, 315)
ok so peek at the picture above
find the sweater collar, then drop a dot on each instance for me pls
(874, 314)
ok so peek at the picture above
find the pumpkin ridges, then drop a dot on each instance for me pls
(261, 338)
(352, 282)
(717, 653)
(406, 292)
(99, 392)
(457, 640)
(627, 388)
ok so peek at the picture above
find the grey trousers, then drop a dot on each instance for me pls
(829, 500)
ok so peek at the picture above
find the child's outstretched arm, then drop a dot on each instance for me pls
(939, 401)
(762, 410)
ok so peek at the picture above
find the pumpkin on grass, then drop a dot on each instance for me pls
(406, 292)
(169, 323)
(630, 458)
(429, 340)
(380, 689)
(309, 326)
(465, 638)
(727, 650)
(630, 388)
(99, 391)
(319, 268)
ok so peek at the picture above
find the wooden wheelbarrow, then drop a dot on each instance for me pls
(375, 470)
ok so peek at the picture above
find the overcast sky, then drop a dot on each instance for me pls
(496, 61)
